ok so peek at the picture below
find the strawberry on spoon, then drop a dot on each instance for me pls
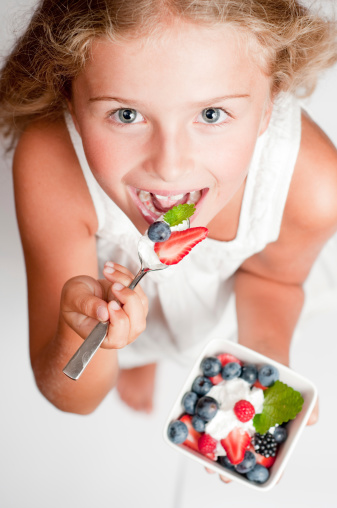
(179, 245)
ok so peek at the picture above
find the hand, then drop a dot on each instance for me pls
(313, 418)
(85, 301)
(222, 478)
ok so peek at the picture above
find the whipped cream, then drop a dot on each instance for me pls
(227, 394)
(147, 253)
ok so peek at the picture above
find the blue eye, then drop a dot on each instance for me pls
(213, 115)
(126, 115)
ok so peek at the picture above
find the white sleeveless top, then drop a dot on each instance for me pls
(189, 303)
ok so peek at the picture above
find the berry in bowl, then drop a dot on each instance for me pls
(240, 414)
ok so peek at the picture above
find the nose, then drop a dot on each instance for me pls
(170, 155)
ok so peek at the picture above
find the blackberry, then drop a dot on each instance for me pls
(265, 444)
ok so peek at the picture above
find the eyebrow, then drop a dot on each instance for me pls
(206, 102)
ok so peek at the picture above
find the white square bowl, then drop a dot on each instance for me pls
(294, 427)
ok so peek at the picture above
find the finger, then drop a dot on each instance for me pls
(313, 418)
(133, 308)
(225, 479)
(118, 335)
(210, 471)
(117, 273)
(278, 481)
(81, 309)
(119, 268)
(82, 284)
(222, 478)
(91, 306)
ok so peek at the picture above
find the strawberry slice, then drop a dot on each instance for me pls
(227, 358)
(193, 436)
(216, 379)
(235, 445)
(211, 456)
(179, 245)
(261, 459)
(257, 384)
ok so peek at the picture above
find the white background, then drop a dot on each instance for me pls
(115, 457)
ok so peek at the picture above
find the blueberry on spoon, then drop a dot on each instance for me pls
(159, 232)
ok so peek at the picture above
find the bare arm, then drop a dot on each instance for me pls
(268, 289)
(57, 224)
(267, 312)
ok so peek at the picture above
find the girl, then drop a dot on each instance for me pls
(118, 111)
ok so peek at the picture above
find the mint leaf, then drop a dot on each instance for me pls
(281, 404)
(178, 214)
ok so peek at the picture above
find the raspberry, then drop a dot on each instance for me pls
(244, 410)
(206, 444)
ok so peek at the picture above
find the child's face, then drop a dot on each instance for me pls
(171, 116)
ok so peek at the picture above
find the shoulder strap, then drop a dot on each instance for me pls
(93, 186)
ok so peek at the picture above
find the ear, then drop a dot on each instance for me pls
(266, 117)
(73, 115)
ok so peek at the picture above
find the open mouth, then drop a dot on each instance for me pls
(153, 205)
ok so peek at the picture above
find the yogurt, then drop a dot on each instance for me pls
(227, 394)
(146, 247)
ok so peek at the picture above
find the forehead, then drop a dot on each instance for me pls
(192, 59)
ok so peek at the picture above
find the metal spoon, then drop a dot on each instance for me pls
(149, 262)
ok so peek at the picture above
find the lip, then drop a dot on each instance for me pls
(149, 216)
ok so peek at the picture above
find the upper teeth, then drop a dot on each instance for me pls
(174, 198)
(146, 198)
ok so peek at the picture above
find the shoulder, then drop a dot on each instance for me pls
(43, 142)
(312, 205)
(310, 214)
(47, 174)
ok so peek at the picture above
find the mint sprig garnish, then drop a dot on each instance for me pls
(178, 214)
(281, 404)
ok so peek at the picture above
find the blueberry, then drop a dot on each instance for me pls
(280, 434)
(231, 370)
(258, 474)
(249, 373)
(177, 432)
(206, 408)
(189, 401)
(201, 385)
(268, 375)
(159, 231)
(225, 462)
(211, 366)
(247, 464)
(198, 423)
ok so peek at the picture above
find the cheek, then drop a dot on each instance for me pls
(229, 157)
(107, 158)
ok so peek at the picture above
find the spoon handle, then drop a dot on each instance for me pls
(91, 344)
(86, 351)
(138, 277)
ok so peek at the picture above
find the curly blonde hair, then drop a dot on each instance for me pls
(294, 44)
